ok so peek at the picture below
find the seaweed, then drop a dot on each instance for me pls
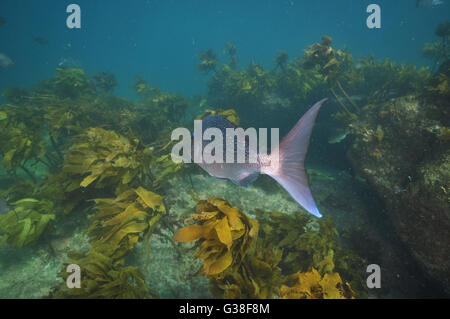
(311, 285)
(119, 222)
(258, 276)
(224, 234)
(241, 264)
(116, 227)
(72, 83)
(281, 60)
(310, 243)
(105, 81)
(21, 140)
(208, 61)
(230, 50)
(164, 169)
(102, 279)
(25, 224)
(99, 158)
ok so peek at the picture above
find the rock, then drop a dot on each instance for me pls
(397, 150)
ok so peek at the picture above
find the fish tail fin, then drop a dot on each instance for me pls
(290, 171)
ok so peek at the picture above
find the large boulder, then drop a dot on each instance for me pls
(402, 148)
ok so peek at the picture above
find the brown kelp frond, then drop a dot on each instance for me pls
(164, 169)
(208, 61)
(258, 276)
(247, 266)
(26, 222)
(100, 157)
(310, 243)
(224, 232)
(102, 279)
(311, 285)
(120, 222)
(116, 227)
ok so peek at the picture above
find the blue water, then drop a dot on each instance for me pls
(159, 40)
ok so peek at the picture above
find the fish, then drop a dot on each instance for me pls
(2, 21)
(41, 40)
(290, 172)
(338, 136)
(428, 3)
(5, 61)
(5, 208)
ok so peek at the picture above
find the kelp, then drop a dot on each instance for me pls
(236, 266)
(105, 81)
(257, 277)
(208, 61)
(120, 222)
(281, 60)
(164, 169)
(99, 158)
(158, 112)
(102, 279)
(385, 79)
(230, 50)
(223, 232)
(72, 82)
(257, 270)
(21, 138)
(311, 285)
(116, 227)
(310, 243)
(25, 224)
(331, 64)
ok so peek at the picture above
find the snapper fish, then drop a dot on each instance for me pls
(290, 170)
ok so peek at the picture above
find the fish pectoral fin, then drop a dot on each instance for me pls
(247, 179)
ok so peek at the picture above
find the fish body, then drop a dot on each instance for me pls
(338, 136)
(428, 3)
(5, 61)
(289, 170)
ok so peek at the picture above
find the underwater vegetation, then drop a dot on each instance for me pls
(401, 148)
(103, 158)
(208, 59)
(243, 261)
(439, 51)
(105, 81)
(116, 227)
(331, 64)
(157, 113)
(311, 285)
(225, 234)
(70, 147)
(26, 223)
(260, 93)
(103, 279)
(231, 51)
(119, 222)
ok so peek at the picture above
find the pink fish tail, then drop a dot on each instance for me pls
(289, 170)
